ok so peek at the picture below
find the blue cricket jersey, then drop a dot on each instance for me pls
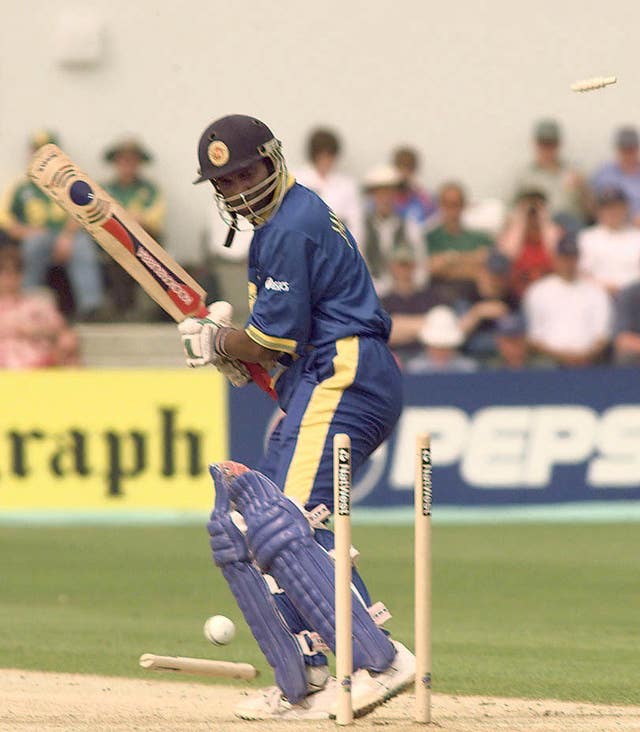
(308, 284)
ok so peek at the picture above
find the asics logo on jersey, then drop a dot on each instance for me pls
(276, 285)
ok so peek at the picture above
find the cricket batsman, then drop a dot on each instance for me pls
(317, 325)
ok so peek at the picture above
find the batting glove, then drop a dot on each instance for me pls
(235, 371)
(199, 334)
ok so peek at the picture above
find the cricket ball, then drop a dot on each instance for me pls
(219, 630)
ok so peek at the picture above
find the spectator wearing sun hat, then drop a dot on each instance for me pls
(442, 338)
(385, 230)
(143, 199)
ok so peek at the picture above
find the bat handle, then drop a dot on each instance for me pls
(258, 373)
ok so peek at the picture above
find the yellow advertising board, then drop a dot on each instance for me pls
(83, 439)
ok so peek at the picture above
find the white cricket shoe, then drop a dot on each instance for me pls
(369, 690)
(270, 704)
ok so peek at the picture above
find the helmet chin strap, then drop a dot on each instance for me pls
(232, 231)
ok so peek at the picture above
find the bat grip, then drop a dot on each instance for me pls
(259, 375)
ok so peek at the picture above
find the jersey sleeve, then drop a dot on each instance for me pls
(281, 315)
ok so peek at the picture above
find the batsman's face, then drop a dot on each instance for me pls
(235, 184)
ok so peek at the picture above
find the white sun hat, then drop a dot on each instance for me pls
(441, 328)
(382, 176)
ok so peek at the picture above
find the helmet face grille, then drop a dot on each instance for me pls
(254, 206)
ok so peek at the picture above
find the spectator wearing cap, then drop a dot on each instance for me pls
(337, 189)
(455, 252)
(511, 343)
(489, 299)
(610, 250)
(407, 302)
(529, 239)
(569, 317)
(48, 238)
(442, 338)
(143, 199)
(33, 332)
(627, 325)
(624, 171)
(384, 230)
(413, 201)
(564, 187)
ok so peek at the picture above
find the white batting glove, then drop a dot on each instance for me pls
(198, 334)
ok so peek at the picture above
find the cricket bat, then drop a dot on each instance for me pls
(122, 237)
(200, 666)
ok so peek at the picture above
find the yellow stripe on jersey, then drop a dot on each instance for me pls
(339, 227)
(318, 417)
(275, 344)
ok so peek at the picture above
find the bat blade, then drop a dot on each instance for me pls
(199, 666)
(115, 230)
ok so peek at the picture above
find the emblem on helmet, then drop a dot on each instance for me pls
(218, 153)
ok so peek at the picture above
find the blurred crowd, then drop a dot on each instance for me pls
(547, 277)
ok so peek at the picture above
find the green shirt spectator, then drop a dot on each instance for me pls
(25, 206)
(139, 196)
(455, 252)
(440, 240)
(48, 238)
(144, 200)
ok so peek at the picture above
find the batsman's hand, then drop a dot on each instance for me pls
(198, 334)
(235, 371)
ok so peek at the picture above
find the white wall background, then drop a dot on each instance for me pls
(462, 80)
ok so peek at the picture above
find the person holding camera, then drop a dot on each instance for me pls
(529, 239)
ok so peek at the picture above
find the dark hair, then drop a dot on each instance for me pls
(406, 157)
(322, 140)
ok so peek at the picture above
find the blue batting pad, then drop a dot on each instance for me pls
(282, 543)
(231, 554)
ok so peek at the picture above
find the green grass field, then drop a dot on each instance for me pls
(519, 610)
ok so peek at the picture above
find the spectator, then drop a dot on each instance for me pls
(568, 316)
(384, 230)
(564, 187)
(489, 299)
(338, 190)
(413, 202)
(455, 253)
(141, 198)
(442, 337)
(529, 239)
(627, 325)
(407, 302)
(33, 333)
(624, 171)
(610, 250)
(48, 237)
(511, 343)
